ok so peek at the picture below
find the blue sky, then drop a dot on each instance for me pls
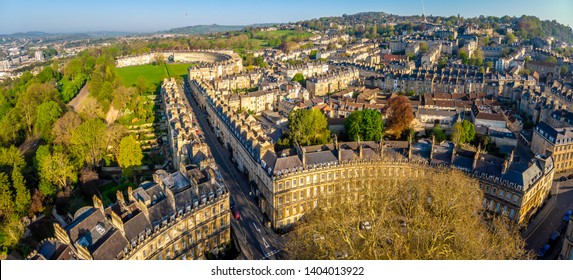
(146, 16)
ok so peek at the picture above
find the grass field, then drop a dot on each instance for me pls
(153, 74)
(281, 33)
(179, 70)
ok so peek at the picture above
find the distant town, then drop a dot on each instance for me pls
(327, 138)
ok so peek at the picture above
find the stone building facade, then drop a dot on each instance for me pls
(332, 81)
(555, 142)
(290, 182)
(181, 215)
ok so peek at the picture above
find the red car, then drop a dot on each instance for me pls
(236, 214)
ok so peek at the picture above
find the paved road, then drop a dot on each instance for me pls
(256, 240)
(549, 218)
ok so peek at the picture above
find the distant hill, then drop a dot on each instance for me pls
(77, 35)
(214, 28)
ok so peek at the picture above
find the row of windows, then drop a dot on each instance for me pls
(343, 174)
(316, 191)
(563, 148)
(498, 207)
(178, 248)
(561, 157)
(564, 166)
(504, 194)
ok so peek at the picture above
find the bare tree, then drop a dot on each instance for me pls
(436, 216)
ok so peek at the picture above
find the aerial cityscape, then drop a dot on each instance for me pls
(373, 131)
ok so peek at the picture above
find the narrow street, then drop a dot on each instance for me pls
(549, 219)
(255, 239)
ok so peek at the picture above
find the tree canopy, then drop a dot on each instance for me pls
(308, 127)
(86, 141)
(463, 132)
(130, 154)
(437, 216)
(399, 115)
(366, 124)
(56, 169)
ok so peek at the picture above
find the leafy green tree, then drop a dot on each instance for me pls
(87, 142)
(6, 201)
(11, 124)
(308, 127)
(73, 68)
(564, 70)
(551, 59)
(29, 100)
(12, 162)
(366, 124)
(458, 133)
(510, 38)
(47, 114)
(57, 169)
(439, 133)
(130, 154)
(469, 131)
(423, 47)
(463, 56)
(298, 77)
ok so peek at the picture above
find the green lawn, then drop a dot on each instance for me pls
(153, 74)
(179, 70)
(281, 33)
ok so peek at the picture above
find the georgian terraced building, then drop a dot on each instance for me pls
(179, 215)
(290, 182)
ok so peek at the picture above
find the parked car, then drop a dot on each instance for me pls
(553, 238)
(563, 179)
(567, 215)
(544, 250)
(232, 202)
(570, 176)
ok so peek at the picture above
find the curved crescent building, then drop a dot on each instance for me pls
(288, 183)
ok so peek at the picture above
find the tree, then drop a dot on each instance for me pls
(47, 114)
(435, 216)
(298, 77)
(57, 169)
(130, 154)
(308, 127)
(439, 133)
(469, 131)
(30, 99)
(159, 59)
(551, 59)
(564, 70)
(64, 126)
(6, 201)
(366, 124)
(423, 47)
(87, 142)
(73, 68)
(122, 96)
(399, 115)
(12, 163)
(463, 55)
(458, 133)
(510, 38)
(114, 134)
